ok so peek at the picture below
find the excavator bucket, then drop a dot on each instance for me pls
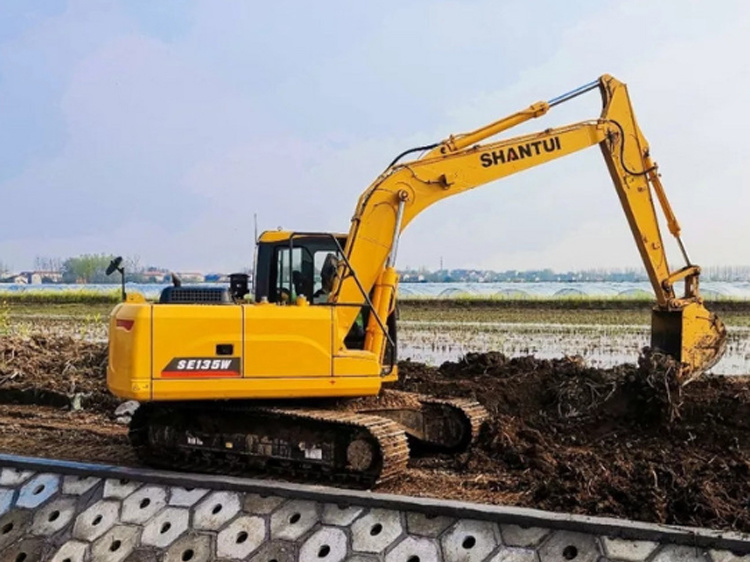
(692, 335)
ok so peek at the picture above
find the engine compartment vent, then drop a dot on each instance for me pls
(195, 295)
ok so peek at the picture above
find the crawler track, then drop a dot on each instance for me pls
(312, 445)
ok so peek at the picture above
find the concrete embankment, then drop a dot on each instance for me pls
(73, 512)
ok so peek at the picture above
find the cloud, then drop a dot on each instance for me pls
(163, 138)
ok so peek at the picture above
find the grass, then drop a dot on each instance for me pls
(68, 296)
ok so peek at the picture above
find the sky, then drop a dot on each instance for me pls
(159, 129)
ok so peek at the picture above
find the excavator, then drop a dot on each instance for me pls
(293, 381)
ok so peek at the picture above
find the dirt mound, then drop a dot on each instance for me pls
(625, 442)
(58, 371)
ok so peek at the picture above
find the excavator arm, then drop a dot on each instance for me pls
(681, 326)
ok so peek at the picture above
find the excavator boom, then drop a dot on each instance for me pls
(682, 327)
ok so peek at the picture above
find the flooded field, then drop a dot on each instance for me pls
(600, 345)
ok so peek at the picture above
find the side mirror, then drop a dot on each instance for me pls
(116, 265)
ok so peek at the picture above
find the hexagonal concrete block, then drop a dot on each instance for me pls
(258, 504)
(74, 551)
(13, 525)
(674, 553)
(142, 505)
(241, 537)
(363, 558)
(327, 544)
(54, 516)
(193, 548)
(120, 489)
(565, 545)
(183, 497)
(38, 490)
(414, 549)
(215, 510)
(281, 551)
(166, 527)
(96, 520)
(293, 519)
(726, 556)
(6, 500)
(78, 485)
(376, 530)
(469, 541)
(26, 550)
(341, 515)
(13, 476)
(630, 551)
(515, 535)
(116, 544)
(426, 525)
(143, 555)
(515, 554)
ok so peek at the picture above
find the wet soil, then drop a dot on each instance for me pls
(626, 442)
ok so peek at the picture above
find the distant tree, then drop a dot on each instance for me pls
(44, 263)
(88, 268)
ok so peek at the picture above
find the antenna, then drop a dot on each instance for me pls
(255, 220)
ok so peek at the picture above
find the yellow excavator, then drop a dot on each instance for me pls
(293, 382)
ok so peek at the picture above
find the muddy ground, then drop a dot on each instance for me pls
(561, 437)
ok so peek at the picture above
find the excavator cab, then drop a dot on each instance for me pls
(289, 265)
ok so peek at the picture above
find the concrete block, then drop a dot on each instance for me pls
(414, 549)
(27, 550)
(166, 527)
(143, 504)
(6, 499)
(376, 530)
(74, 551)
(726, 556)
(364, 558)
(469, 541)
(630, 551)
(13, 526)
(143, 555)
(38, 490)
(190, 548)
(215, 510)
(54, 516)
(515, 554)
(327, 544)
(427, 525)
(183, 497)
(257, 504)
(116, 544)
(341, 515)
(241, 537)
(78, 485)
(120, 489)
(96, 520)
(293, 519)
(13, 476)
(281, 551)
(564, 545)
(514, 535)
(674, 553)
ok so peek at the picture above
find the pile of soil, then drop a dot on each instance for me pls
(626, 442)
(55, 371)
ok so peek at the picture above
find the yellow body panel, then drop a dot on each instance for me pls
(288, 341)
(283, 352)
(194, 331)
(129, 365)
